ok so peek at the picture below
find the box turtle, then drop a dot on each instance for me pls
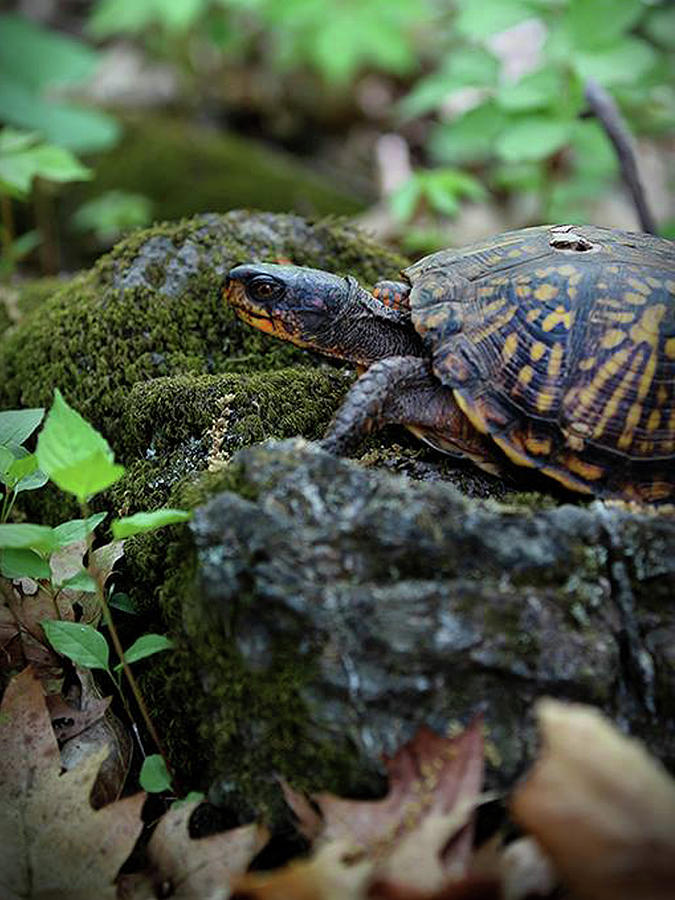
(549, 347)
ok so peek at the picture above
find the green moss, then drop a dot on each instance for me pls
(186, 168)
(109, 328)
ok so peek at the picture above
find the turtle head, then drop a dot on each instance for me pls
(315, 309)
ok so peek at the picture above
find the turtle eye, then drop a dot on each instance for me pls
(265, 288)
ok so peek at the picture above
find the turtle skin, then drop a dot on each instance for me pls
(559, 343)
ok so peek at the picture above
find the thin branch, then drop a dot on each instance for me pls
(607, 112)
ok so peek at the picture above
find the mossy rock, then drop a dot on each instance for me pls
(186, 168)
(153, 307)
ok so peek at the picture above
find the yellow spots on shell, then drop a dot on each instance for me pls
(653, 282)
(612, 338)
(620, 318)
(634, 298)
(568, 271)
(513, 453)
(532, 315)
(670, 286)
(537, 350)
(559, 316)
(555, 361)
(546, 292)
(669, 348)
(540, 446)
(494, 307)
(523, 290)
(586, 364)
(526, 375)
(495, 325)
(515, 254)
(614, 270)
(433, 318)
(545, 400)
(584, 469)
(574, 442)
(632, 419)
(647, 377)
(613, 404)
(601, 285)
(588, 394)
(510, 346)
(641, 286)
(653, 421)
(661, 395)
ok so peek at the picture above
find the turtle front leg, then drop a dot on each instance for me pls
(402, 390)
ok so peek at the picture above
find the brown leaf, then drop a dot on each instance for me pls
(23, 605)
(52, 843)
(335, 872)
(434, 788)
(600, 806)
(193, 869)
(69, 721)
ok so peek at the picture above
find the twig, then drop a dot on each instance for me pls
(607, 112)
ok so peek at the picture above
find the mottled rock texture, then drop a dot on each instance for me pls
(387, 603)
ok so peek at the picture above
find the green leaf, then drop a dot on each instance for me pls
(154, 776)
(7, 459)
(40, 57)
(622, 63)
(18, 169)
(538, 90)
(83, 644)
(124, 603)
(533, 138)
(403, 201)
(190, 797)
(81, 581)
(481, 19)
(660, 26)
(146, 645)
(112, 213)
(23, 564)
(79, 129)
(73, 454)
(77, 529)
(596, 23)
(26, 536)
(148, 521)
(470, 137)
(17, 425)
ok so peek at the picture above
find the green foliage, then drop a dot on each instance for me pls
(82, 644)
(146, 645)
(528, 135)
(34, 61)
(24, 157)
(148, 521)
(441, 189)
(113, 213)
(154, 776)
(73, 454)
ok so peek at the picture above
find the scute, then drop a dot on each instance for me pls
(559, 342)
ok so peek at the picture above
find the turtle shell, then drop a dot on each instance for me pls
(559, 342)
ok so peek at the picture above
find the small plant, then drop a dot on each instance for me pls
(76, 458)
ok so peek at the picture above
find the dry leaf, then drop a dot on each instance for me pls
(416, 839)
(600, 806)
(335, 872)
(193, 869)
(52, 843)
(23, 605)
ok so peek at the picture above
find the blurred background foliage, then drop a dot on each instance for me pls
(436, 122)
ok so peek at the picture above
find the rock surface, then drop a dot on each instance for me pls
(407, 603)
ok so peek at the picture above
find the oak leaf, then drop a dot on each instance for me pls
(600, 806)
(53, 844)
